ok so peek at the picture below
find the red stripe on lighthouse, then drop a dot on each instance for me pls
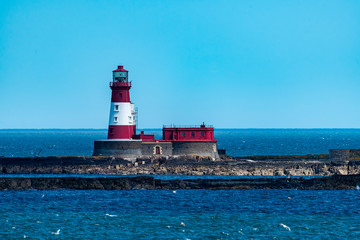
(121, 131)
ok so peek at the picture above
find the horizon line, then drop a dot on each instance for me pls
(104, 129)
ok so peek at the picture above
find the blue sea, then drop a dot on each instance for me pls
(184, 214)
(237, 142)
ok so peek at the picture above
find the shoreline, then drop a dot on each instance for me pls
(327, 174)
(285, 165)
(336, 182)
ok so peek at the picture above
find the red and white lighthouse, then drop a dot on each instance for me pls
(123, 140)
(122, 122)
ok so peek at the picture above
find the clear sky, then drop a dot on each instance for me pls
(233, 64)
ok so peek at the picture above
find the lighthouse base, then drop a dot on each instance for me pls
(123, 148)
(138, 148)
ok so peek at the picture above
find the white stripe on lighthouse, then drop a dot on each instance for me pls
(122, 113)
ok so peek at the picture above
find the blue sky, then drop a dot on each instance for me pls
(233, 64)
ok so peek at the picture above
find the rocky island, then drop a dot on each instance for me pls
(340, 168)
(283, 165)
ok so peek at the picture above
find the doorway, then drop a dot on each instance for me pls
(157, 150)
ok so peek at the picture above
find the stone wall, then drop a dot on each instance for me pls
(149, 148)
(200, 148)
(133, 149)
(354, 153)
(117, 148)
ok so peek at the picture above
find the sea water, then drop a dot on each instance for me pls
(184, 214)
(237, 142)
(180, 214)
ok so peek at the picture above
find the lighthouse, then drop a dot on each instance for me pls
(123, 141)
(122, 121)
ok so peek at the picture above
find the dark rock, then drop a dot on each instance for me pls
(308, 165)
(336, 182)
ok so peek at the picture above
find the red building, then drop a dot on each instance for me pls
(188, 133)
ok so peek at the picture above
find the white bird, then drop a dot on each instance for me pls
(286, 227)
(249, 160)
(57, 232)
(110, 215)
(182, 224)
(174, 191)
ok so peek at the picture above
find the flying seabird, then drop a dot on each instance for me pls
(286, 227)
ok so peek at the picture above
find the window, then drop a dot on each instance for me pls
(115, 119)
(116, 107)
(183, 134)
(121, 95)
(193, 134)
(111, 130)
(175, 137)
(202, 134)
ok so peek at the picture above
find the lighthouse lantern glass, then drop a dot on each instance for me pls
(120, 77)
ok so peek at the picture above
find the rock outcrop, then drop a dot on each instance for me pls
(309, 165)
(336, 182)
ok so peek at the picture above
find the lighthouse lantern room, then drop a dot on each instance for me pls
(122, 121)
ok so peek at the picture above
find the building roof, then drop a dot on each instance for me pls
(120, 69)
